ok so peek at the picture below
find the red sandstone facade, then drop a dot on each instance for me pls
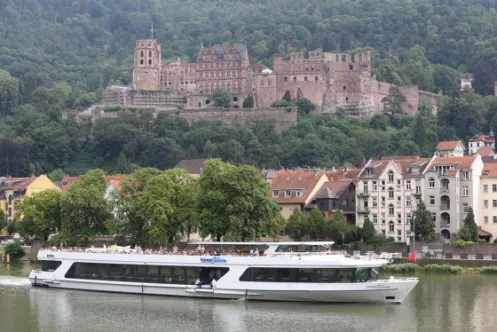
(332, 81)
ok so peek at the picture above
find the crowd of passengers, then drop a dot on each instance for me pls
(199, 251)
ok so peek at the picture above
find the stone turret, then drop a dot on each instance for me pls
(147, 65)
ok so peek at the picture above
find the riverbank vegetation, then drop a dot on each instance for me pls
(436, 268)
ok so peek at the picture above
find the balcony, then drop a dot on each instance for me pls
(444, 225)
(363, 194)
(363, 209)
(417, 191)
(445, 207)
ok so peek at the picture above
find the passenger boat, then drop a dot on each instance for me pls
(285, 271)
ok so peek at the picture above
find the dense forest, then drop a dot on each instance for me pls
(60, 54)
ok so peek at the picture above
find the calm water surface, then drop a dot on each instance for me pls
(439, 303)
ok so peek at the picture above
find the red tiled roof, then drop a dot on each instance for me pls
(458, 162)
(294, 181)
(481, 138)
(489, 170)
(447, 145)
(16, 184)
(485, 151)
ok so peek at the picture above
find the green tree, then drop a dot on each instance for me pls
(233, 201)
(339, 227)
(3, 221)
(368, 230)
(305, 106)
(9, 92)
(84, 209)
(14, 250)
(287, 96)
(296, 226)
(446, 80)
(469, 231)
(424, 227)
(393, 102)
(316, 224)
(85, 100)
(123, 166)
(221, 98)
(56, 175)
(41, 214)
(277, 227)
(248, 102)
(419, 133)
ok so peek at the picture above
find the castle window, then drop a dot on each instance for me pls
(305, 78)
(344, 88)
(285, 79)
(200, 104)
(141, 62)
(149, 62)
(352, 58)
(295, 79)
(347, 99)
(141, 54)
(235, 98)
(351, 67)
(316, 78)
(150, 53)
(207, 102)
(344, 58)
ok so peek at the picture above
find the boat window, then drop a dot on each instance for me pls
(50, 266)
(312, 275)
(185, 275)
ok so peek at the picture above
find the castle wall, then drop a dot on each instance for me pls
(381, 89)
(179, 76)
(265, 90)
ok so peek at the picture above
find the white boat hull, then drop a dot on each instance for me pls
(381, 291)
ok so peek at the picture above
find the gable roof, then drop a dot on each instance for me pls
(305, 182)
(489, 170)
(16, 184)
(485, 151)
(192, 166)
(448, 145)
(481, 138)
(333, 189)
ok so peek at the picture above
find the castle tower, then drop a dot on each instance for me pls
(147, 65)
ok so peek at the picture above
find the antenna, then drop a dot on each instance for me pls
(152, 30)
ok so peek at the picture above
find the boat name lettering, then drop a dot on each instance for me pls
(213, 260)
(378, 286)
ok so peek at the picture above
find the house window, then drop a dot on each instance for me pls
(408, 201)
(375, 218)
(345, 202)
(375, 202)
(399, 232)
(494, 188)
(485, 220)
(390, 176)
(375, 186)
(391, 210)
(465, 207)
(465, 191)
(399, 218)
(465, 175)
(288, 193)
(494, 203)
(434, 216)
(383, 201)
(408, 185)
(383, 231)
(391, 227)
(432, 200)
(485, 204)
(276, 193)
(494, 219)
(485, 188)
(431, 183)
(390, 193)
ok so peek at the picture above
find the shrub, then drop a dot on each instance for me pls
(461, 243)
(401, 268)
(442, 268)
(489, 269)
(112, 109)
(15, 250)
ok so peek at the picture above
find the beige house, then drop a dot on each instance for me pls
(450, 149)
(295, 189)
(488, 199)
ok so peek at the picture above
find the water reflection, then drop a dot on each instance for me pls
(439, 303)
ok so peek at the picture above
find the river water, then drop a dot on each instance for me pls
(438, 303)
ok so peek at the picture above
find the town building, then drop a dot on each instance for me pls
(466, 81)
(479, 141)
(295, 190)
(335, 196)
(451, 185)
(488, 198)
(334, 82)
(12, 190)
(386, 193)
(450, 149)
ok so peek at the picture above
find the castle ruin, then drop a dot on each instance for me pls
(334, 82)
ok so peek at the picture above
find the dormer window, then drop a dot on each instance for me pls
(288, 193)
(415, 170)
(299, 193)
(276, 193)
(369, 171)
